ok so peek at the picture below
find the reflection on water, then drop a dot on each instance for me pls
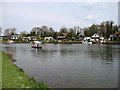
(69, 65)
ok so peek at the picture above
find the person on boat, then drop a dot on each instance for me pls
(37, 45)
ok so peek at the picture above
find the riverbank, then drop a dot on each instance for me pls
(0, 70)
(6, 42)
(64, 42)
(14, 77)
(111, 42)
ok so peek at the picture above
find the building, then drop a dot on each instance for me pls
(3, 38)
(6, 37)
(26, 39)
(98, 38)
(95, 37)
(62, 36)
(115, 36)
(33, 37)
(15, 37)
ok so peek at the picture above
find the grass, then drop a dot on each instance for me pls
(0, 70)
(22, 41)
(14, 77)
(6, 41)
(3, 41)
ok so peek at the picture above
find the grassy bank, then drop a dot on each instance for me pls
(6, 41)
(13, 77)
(0, 70)
(112, 42)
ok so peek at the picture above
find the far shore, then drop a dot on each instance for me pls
(66, 42)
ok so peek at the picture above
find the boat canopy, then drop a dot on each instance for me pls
(37, 42)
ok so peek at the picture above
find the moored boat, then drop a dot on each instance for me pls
(10, 41)
(86, 42)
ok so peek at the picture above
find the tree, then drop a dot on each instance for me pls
(36, 31)
(109, 28)
(7, 31)
(51, 32)
(23, 32)
(0, 30)
(86, 31)
(63, 30)
(105, 29)
(10, 31)
(93, 29)
(13, 31)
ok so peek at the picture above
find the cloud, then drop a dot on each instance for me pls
(30, 18)
(90, 18)
(92, 1)
(27, 15)
(60, 1)
(89, 5)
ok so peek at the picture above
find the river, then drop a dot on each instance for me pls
(69, 65)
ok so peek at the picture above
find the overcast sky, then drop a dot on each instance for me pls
(26, 15)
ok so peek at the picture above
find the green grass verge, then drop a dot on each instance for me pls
(22, 41)
(14, 77)
(0, 69)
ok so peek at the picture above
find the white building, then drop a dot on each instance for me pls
(15, 37)
(26, 39)
(95, 37)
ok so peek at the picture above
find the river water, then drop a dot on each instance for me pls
(69, 65)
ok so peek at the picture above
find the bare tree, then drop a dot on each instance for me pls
(23, 32)
(7, 31)
(0, 31)
(10, 31)
(13, 31)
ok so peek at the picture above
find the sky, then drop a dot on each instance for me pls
(26, 15)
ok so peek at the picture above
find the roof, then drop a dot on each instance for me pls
(65, 34)
(95, 35)
(37, 42)
(48, 37)
(60, 37)
(117, 33)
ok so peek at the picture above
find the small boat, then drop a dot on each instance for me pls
(86, 42)
(36, 42)
(10, 41)
(35, 46)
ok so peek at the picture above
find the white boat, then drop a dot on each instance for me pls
(36, 42)
(86, 42)
(10, 41)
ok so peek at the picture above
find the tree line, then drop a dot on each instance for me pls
(104, 29)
